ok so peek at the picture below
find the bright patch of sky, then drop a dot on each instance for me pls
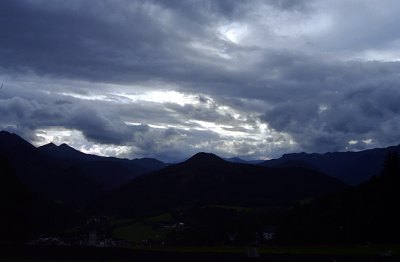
(75, 139)
(162, 97)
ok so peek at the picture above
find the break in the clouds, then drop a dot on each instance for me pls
(167, 79)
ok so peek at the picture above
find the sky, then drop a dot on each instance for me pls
(166, 79)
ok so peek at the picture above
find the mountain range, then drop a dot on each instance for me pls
(68, 175)
(206, 179)
(64, 174)
(351, 167)
(43, 188)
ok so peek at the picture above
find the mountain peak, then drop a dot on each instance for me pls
(6, 134)
(69, 149)
(62, 150)
(10, 140)
(205, 158)
(63, 145)
(49, 145)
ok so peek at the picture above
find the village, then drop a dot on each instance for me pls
(98, 232)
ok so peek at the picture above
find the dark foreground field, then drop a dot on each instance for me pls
(66, 254)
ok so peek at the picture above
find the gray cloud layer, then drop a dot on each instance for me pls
(319, 78)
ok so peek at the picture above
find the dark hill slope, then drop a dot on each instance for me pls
(23, 213)
(13, 144)
(207, 179)
(366, 213)
(351, 167)
(48, 177)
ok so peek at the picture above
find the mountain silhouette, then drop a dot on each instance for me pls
(202, 159)
(64, 151)
(10, 142)
(351, 167)
(206, 179)
(108, 172)
(66, 174)
(32, 178)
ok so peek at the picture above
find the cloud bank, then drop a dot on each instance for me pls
(167, 79)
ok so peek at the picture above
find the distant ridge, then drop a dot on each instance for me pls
(239, 160)
(64, 151)
(351, 167)
(207, 179)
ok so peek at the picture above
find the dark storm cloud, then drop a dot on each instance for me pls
(368, 114)
(95, 125)
(116, 41)
(327, 104)
(201, 10)
(62, 102)
(323, 72)
(290, 4)
(75, 39)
